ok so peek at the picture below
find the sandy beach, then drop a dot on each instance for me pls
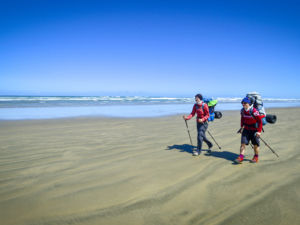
(141, 171)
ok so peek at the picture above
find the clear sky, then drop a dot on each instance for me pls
(160, 48)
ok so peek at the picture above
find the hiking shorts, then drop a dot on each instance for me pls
(249, 135)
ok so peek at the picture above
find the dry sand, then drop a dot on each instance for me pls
(141, 171)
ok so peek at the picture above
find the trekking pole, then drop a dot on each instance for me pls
(213, 138)
(188, 132)
(269, 147)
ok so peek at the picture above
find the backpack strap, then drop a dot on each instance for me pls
(251, 113)
(202, 106)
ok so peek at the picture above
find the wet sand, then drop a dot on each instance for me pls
(141, 171)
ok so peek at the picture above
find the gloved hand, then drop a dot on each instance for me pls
(240, 130)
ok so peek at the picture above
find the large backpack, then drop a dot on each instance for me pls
(257, 102)
(211, 103)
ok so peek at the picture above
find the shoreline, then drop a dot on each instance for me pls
(139, 117)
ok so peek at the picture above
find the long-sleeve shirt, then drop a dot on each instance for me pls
(201, 110)
(251, 122)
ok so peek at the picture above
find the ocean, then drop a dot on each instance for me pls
(50, 107)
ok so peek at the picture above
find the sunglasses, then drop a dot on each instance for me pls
(245, 103)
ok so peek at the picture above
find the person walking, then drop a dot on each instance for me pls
(201, 109)
(251, 127)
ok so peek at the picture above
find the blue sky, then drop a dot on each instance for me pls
(159, 48)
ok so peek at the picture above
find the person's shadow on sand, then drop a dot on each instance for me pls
(182, 148)
(224, 155)
(218, 154)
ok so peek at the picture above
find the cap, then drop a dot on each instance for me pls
(246, 100)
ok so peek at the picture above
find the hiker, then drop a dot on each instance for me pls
(202, 124)
(251, 127)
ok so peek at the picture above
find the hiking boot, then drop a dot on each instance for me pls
(209, 148)
(195, 152)
(239, 160)
(255, 159)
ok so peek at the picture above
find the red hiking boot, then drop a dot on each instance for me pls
(255, 159)
(239, 160)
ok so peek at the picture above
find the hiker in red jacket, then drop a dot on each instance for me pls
(202, 124)
(251, 127)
